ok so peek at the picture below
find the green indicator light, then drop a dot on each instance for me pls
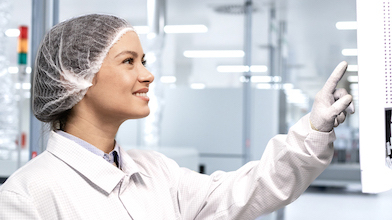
(22, 58)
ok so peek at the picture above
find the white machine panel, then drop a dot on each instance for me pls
(375, 93)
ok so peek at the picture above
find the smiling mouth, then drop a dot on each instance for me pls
(141, 94)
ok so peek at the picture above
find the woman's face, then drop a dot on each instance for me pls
(120, 87)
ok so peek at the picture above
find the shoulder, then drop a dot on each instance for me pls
(152, 161)
(150, 156)
(36, 173)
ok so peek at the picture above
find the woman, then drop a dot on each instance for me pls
(90, 78)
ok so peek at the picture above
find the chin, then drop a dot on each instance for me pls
(143, 115)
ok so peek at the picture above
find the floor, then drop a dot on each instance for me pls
(340, 204)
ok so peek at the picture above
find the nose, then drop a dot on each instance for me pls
(145, 76)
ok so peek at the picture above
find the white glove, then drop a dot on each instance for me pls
(331, 105)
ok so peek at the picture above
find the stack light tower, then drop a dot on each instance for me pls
(22, 50)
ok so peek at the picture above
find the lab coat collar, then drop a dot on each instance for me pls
(129, 165)
(95, 169)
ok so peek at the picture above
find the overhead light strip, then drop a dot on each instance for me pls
(198, 86)
(241, 68)
(350, 52)
(262, 79)
(346, 25)
(12, 32)
(168, 79)
(352, 68)
(175, 29)
(213, 53)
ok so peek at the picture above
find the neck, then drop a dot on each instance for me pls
(92, 130)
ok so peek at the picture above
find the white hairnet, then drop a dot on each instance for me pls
(70, 55)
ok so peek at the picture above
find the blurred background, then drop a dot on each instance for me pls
(229, 75)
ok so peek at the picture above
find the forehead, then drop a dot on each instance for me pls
(128, 42)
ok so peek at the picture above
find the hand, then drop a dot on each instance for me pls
(331, 105)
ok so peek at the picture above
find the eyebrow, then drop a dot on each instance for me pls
(133, 53)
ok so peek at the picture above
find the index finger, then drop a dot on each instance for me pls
(335, 77)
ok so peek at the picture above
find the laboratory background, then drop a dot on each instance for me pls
(229, 75)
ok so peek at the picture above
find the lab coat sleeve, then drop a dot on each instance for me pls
(288, 166)
(16, 206)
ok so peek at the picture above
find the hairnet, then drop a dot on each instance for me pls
(69, 56)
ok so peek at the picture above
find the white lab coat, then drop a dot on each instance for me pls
(68, 182)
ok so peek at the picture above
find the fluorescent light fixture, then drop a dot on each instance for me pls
(352, 68)
(296, 96)
(265, 79)
(12, 33)
(354, 86)
(24, 86)
(150, 58)
(258, 68)
(350, 52)
(179, 29)
(268, 86)
(142, 29)
(288, 86)
(352, 79)
(241, 69)
(262, 79)
(174, 29)
(168, 79)
(213, 53)
(28, 69)
(198, 85)
(151, 35)
(263, 86)
(13, 69)
(346, 25)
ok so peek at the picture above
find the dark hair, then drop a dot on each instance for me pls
(60, 121)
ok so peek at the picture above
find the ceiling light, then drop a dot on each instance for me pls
(213, 53)
(265, 79)
(198, 85)
(174, 29)
(142, 29)
(178, 29)
(13, 69)
(268, 86)
(354, 86)
(241, 69)
(346, 25)
(288, 86)
(352, 79)
(12, 33)
(262, 79)
(352, 68)
(296, 96)
(150, 58)
(258, 68)
(151, 35)
(24, 86)
(168, 79)
(350, 52)
(264, 86)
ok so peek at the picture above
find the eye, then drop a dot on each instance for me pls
(144, 62)
(128, 61)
